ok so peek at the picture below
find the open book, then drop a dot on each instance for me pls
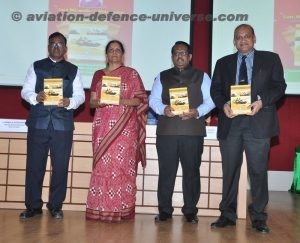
(110, 90)
(53, 87)
(179, 100)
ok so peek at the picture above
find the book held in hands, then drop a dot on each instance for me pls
(53, 88)
(110, 90)
(179, 100)
(240, 99)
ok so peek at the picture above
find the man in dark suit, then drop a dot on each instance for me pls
(250, 133)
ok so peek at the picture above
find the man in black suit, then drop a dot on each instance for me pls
(250, 133)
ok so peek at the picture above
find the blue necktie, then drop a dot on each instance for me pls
(243, 77)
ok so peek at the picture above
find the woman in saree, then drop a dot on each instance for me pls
(118, 139)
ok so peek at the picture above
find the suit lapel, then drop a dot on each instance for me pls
(232, 63)
(257, 63)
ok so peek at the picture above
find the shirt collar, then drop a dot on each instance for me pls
(249, 54)
(56, 61)
(180, 70)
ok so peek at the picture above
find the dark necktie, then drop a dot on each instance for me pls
(243, 77)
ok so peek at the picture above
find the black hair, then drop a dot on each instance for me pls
(245, 26)
(57, 34)
(188, 47)
(115, 41)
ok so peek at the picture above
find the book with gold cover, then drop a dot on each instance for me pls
(179, 100)
(110, 90)
(53, 87)
(240, 99)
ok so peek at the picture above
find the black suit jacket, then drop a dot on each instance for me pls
(267, 82)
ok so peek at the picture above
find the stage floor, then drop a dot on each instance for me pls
(283, 211)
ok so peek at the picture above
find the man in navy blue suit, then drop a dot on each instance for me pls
(50, 127)
(250, 133)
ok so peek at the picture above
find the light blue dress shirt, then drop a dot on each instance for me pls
(155, 100)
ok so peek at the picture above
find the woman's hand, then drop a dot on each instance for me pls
(130, 102)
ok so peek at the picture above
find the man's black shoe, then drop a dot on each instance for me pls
(29, 213)
(162, 217)
(192, 218)
(260, 226)
(222, 222)
(56, 213)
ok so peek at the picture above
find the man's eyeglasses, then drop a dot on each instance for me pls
(245, 37)
(56, 44)
(180, 53)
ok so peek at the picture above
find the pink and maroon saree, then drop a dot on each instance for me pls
(118, 139)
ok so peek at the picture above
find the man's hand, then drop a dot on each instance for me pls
(255, 107)
(227, 110)
(192, 113)
(41, 96)
(168, 111)
(65, 102)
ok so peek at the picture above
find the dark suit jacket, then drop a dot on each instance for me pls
(267, 82)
